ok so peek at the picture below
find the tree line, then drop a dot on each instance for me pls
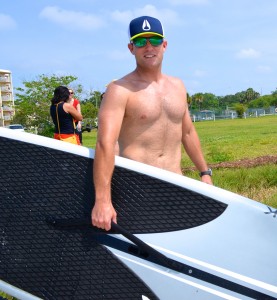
(245, 99)
(32, 101)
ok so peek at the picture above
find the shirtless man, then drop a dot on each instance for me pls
(147, 113)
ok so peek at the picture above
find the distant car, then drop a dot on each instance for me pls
(17, 127)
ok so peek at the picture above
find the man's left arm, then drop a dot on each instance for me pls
(193, 148)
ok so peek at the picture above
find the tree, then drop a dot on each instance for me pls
(90, 108)
(33, 101)
(261, 102)
(240, 109)
(210, 101)
(189, 99)
(198, 99)
(94, 98)
(250, 95)
(227, 100)
(89, 111)
(247, 96)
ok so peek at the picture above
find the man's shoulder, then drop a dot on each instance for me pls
(126, 83)
(175, 82)
(174, 79)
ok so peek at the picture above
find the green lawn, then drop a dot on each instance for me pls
(232, 140)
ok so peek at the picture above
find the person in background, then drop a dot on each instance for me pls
(76, 103)
(60, 104)
(146, 111)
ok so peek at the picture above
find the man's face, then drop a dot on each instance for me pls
(148, 49)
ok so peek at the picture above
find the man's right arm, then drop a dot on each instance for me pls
(103, 211)
(110, 118)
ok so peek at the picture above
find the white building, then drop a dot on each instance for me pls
(7, 109)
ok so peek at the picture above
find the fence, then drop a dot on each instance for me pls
(208, 115)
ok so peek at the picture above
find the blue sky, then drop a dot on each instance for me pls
(214, 46)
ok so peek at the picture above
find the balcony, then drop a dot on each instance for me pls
(6, 89)
(7, 118)
(7, 97)
(7, 108)
(5, 78)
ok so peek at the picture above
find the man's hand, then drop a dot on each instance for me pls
(102, 214)
(207, 179)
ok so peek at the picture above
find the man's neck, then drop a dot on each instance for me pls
(148, 75)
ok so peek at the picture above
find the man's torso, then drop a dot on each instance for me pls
(152, 126)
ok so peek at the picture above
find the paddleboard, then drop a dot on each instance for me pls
(176, 238)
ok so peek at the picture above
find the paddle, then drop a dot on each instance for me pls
(150, 254)
(162, 259)
(145, 249)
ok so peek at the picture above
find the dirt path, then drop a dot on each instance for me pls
(243, 163)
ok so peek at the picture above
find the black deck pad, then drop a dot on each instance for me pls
(38, 183)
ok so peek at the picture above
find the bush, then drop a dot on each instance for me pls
(240, 110)
(46, 130)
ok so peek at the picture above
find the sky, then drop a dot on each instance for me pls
(214, 46)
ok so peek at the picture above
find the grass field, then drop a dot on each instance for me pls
(232, 140)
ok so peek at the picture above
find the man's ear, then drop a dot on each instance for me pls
(165, 45)
(131, 48)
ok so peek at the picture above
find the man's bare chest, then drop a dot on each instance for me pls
(149, 107)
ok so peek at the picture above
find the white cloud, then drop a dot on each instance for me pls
(122, 16)
(165, 15)
(72, 19)
(248, 53)
(6, 22)
(188, 2)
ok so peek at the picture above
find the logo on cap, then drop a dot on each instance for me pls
(146, 26)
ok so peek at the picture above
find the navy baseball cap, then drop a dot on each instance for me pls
(145, 25)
